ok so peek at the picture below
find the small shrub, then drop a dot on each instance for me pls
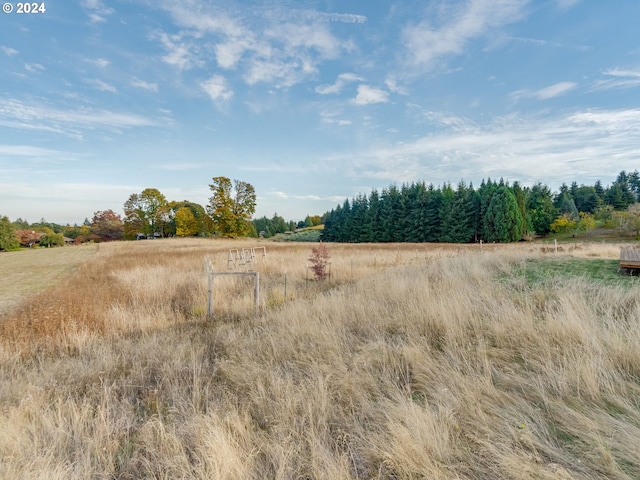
(319, 262)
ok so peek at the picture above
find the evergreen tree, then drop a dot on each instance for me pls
(485, 194)
(541, 210)
(586, 199)
(374, 218)
(329, 231)
(566, 206)
(503, 218)
(422, 216)
(619, 194)
(600, 191)
(522, 206)
(563, 191)
(358, 228)
(390, 215)
(633, 180)
(616, 196)
(446, 214)
(462, 216)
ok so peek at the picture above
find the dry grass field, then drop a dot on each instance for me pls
(411, 361)
(26, 272)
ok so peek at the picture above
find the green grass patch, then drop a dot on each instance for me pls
(536, 271)
(29, 271)
(308, 235)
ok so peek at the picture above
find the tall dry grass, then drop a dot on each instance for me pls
(412, 362)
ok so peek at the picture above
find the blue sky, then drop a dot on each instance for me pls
(310, 101)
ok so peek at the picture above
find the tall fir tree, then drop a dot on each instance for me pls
(503, 218)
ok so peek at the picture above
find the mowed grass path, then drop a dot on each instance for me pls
(26, 272)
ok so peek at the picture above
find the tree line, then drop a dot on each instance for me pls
(494, 212)
(147, 214)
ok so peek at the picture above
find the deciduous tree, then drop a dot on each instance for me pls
(186, 225)
(231, 206)
(146, 212)
(8, 239)
(107, 225)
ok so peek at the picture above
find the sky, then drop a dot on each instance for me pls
(310, 101)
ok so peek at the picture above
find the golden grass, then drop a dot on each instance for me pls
(26, 272)
(413, 361)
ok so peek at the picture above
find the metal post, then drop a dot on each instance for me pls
(210, 300)
(285, 286)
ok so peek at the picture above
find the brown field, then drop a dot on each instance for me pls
(411, 361)
(26, 272)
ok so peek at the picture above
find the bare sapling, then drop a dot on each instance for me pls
(320, 262)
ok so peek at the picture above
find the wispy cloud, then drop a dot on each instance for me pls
(71, 122)
(136, 82)
(426, 43)
(368, 95)
(34, 67)
(343, 17)
(98, 62)
(546, 93)
(277, 46)
(618, 78)
(97, 11)
(580, 144)
(333, 117)
(293, 196)
(102, 86)
(392, 84)
(9, 51)
(216, 87)
(343, 80)
(27, 151)
(181, 53)
(547, 43)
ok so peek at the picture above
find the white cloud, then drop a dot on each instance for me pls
(180, 53)
(97, 11)
(618, 78)
(368, 95)
(27, 151)
(427, 43)
(38, 116)
(293, 196)
(102, 86)
(392, 84)
(136, 82)
(332, 118)
(344, 17)
(581, 144)
(9, 51)
(336, 87)
(99, 62)
(216, 88)
(546, 93)
(277, 46)
(34, 67)
(555, 90)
